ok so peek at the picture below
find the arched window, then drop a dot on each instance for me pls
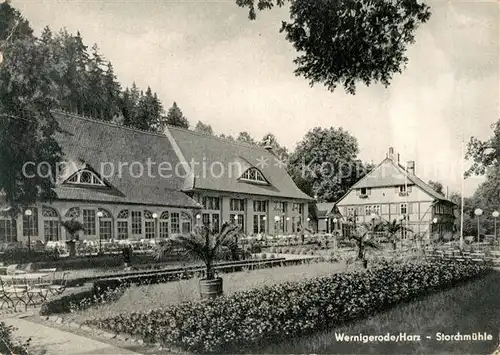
(149, 225)
(105, 224)
(254, 175)
(8, 228)
(163, 224)
(186, 223)
(50, 224)
(85, 177)
(122, 224)
(30, 223)
(136, 219)
(73, 213)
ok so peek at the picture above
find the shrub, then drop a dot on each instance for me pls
(9, 346)
(290, 309)
(63, 303)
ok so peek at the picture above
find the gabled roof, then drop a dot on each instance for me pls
(96, 143)
(391, 173)
(234, 158)
(325, 209)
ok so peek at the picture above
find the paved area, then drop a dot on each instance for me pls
(54, 341)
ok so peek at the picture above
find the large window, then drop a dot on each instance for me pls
(50, 224)
(238, 219)
(175, 223)
(280, 225)
(205, 219)
(260, 206)
(30, 223)
(297, 207)
(163, 226)
(136, 222)
(149, 225)
(280, 207)
(89, 222)
(105, 225)
(259, 224)
(122, 224)
(215, 222)
(237, 205)
(8, 229)
(296, 224)
(186, 223)
(210, 203)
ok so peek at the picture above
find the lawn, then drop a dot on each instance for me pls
(468, 308)
(139, 298)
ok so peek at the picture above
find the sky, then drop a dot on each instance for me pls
(237, 75)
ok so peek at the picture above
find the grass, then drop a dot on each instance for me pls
(141, 298)
(468, 308)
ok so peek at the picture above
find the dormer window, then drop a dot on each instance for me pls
(253, 175)
(85, 177)
(402, 188)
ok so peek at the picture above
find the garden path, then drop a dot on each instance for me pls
(52, 341)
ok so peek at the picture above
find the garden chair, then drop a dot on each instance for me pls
(45, 283)
(58, 288)
(4, 295)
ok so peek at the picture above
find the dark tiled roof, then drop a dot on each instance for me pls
(235, 158)
(97, 142)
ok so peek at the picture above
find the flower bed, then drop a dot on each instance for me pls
(228, 324)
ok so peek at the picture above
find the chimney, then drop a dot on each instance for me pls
(410, 167)
(390, 155)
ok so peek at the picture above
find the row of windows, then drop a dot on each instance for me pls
(239, 205)
(179, 223)
(364, 191)
(402, 208)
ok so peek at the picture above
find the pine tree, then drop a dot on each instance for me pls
(175, 117)
(95, 103)
(111, 94)
(204, 128)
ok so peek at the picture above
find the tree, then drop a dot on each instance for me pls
(345, 42)
(111, 93)
(207, 245)
(484, 154)
(363, 236)
(175, 118)
(393, 231)
(204, 128)
(324, 163)
(228, 137)
(245, 137)
(436, 186)
(26, 99)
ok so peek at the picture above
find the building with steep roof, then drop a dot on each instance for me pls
(393, 191)
(123, 183)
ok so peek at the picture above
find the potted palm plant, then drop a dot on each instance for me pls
(363, 237)
(393, 231)
(72, 227)
(207, 244)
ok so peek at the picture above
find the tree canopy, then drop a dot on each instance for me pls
(204, 128)
(325, 163)
(436, 186)
(346, 42)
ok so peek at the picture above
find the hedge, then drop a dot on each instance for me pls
(232, 323)
(64, 302)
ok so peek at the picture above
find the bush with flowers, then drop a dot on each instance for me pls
(236, 322)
